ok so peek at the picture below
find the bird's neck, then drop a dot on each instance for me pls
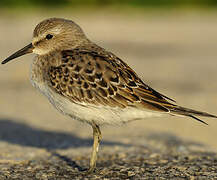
(41, 64)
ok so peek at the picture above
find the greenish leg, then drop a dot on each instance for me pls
(96, 140)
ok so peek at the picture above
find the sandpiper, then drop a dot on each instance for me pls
(84, 81)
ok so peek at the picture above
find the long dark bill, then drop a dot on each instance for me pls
(27, 49)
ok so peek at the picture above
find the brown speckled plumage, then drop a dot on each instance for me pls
(100, 78)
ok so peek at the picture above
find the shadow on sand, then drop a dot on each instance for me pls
(24, 135)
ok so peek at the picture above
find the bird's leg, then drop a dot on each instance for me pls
(96, 140)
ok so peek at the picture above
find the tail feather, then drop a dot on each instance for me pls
(197, 119)
(178, 110)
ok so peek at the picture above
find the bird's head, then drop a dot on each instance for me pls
(50, 35)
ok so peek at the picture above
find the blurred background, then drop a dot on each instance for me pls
(171, 44)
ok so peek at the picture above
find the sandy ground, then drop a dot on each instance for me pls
(176, 55)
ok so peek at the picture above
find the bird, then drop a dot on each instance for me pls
(90, 84)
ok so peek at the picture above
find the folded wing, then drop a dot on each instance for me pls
(89, 77)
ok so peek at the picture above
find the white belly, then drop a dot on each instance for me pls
(103, 115)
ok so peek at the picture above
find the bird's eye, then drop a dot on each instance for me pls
(49, 36)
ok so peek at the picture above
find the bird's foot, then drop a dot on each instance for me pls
(91, 170)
